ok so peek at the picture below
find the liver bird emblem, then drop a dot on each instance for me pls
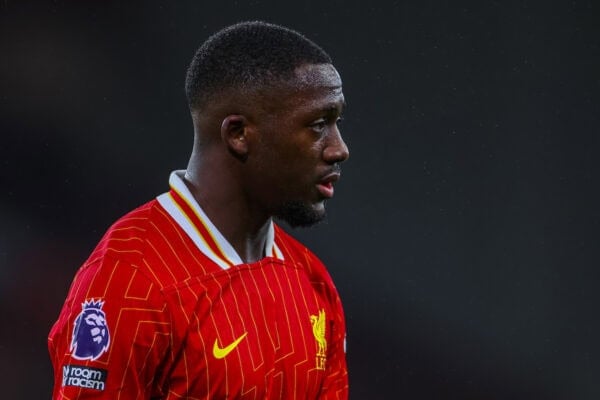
(318, 327)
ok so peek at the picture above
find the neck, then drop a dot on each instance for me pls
(217, 192)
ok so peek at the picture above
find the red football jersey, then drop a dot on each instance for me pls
(165, 308)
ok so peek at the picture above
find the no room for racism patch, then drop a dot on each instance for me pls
(84, 377)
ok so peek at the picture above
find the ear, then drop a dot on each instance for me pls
(234, 132)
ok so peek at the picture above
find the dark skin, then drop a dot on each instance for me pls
(256, 153)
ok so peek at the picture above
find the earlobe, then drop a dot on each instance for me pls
(234, 132)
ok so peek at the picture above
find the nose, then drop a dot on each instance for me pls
(335, 150)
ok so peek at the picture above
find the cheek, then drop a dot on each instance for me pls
(286, 164)
(282, 179)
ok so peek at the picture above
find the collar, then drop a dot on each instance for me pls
(187, 213)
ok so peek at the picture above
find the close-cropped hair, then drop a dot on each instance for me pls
(245, 56)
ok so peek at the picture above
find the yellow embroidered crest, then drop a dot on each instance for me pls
(318, 326)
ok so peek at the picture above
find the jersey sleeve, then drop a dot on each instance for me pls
(112, 338)
(335, 385)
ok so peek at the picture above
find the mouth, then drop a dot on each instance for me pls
(325, 185)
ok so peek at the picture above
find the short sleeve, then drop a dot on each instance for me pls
(112, 338)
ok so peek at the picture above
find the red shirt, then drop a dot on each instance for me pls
(165, 308)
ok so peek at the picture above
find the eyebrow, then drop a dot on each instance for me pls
(334, 107)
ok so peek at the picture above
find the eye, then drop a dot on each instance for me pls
(322, 124)
(319, 125)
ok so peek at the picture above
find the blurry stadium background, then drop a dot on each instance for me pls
(464, 236)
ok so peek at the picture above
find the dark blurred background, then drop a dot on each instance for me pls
(464, 236)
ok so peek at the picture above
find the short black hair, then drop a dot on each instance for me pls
(247, 55)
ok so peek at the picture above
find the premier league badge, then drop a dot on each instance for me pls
(90, 335)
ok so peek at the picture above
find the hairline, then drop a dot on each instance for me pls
(259, 88)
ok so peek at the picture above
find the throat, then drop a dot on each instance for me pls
(251, 249)
(252, 245)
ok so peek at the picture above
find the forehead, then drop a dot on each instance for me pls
(314, 86)
(317, 76)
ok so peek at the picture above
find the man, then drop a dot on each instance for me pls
(198, 294)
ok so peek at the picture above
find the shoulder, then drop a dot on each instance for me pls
(125, 237)
(145, 240)
(107, 275)
(293, 248)
(120, 250)
(302, 257)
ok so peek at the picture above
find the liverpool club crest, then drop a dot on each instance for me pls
(318, 326)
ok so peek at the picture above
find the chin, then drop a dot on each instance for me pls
(301, 214)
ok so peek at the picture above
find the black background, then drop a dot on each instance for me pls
(464, 234)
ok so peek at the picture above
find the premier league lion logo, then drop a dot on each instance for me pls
(90, 335)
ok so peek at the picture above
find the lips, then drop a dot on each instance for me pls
(325, 185)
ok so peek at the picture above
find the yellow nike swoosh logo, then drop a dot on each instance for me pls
(220, 352)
